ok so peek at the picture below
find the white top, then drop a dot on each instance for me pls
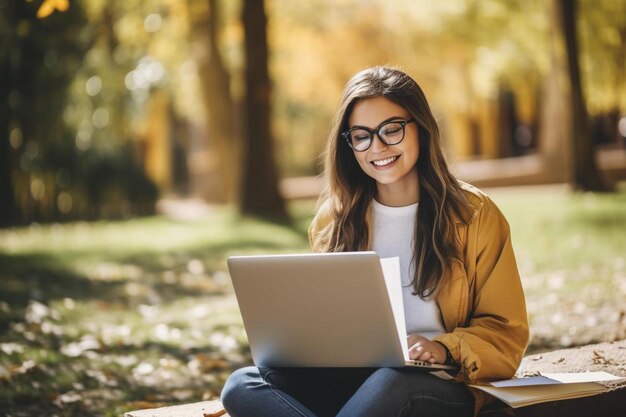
(392, 235)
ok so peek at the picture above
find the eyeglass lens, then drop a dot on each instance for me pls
(390, 133)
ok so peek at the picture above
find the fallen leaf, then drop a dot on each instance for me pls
(206, 363)
(600, 359)
(11, 348)
(70, 397)
(4, 373)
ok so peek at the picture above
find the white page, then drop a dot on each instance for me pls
(575, 377)
(551, 378)
(522, 382)
(391, 271)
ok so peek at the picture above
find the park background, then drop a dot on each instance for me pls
(143, 142)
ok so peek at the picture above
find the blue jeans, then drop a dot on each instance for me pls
(343, 392)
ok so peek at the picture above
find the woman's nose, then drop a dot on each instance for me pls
(377, 144)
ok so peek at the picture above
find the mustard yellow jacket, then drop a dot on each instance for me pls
(482, 306)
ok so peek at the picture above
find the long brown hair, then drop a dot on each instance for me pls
(350, 191)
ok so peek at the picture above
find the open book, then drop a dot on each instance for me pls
(521, 392)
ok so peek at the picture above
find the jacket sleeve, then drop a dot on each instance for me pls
(491, 344)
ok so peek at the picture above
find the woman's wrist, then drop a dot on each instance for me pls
(448, 357)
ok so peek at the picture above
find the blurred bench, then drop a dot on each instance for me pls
(608, 357)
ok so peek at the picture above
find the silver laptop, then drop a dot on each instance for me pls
(322, 310)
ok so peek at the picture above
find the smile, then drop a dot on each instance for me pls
(386, 161)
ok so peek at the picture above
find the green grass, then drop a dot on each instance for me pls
(571, 251)
(101, 318)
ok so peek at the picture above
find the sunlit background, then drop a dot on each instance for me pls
(113, 104)
(131, 161)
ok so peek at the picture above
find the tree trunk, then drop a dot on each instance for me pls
(9, 213)
(586, 175)
(222, 111)
(8, 206)
(555, 125)
(260, 194)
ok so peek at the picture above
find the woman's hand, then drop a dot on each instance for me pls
(422, 349)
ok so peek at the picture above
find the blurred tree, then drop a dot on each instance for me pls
(601, 30)
(8, 204)
(555, 121)
(63, 153)
(259, 193)
(586, 175)
(465, 53)
(223, 133)
(36, 60)
(94, 91)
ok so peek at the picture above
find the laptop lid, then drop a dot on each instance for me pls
(317, 310)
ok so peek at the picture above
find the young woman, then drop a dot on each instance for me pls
(390, 190)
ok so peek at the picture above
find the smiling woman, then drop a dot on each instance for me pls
(390, 191)
(394, 168)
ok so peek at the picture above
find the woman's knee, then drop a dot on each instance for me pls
(407, 382)
(237, 386)
(387, 377)
(405, 390)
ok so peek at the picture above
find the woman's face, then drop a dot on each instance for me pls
(392, 166)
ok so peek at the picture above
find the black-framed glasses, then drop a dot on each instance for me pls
(390, 133)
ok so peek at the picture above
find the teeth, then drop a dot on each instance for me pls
(384, 162)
